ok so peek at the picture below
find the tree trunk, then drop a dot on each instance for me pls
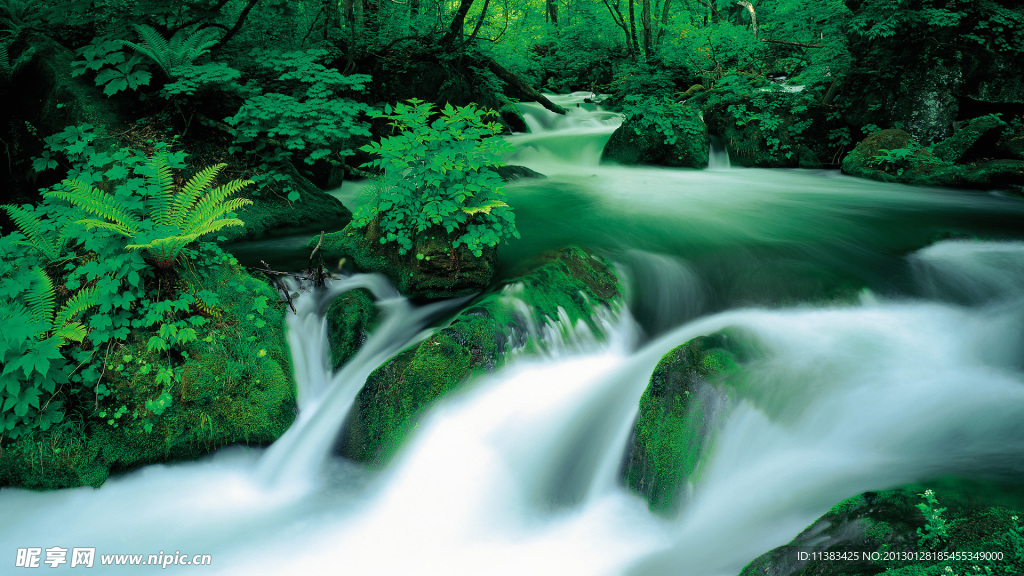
(455, 29)
(483, 13)
(519, 84)
(664, 20)
(645, 21)
(753, 15)
(552, 11)
(632, 28)
(619, 21)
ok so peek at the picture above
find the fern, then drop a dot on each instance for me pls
(180, 216)
(32, 227)
(183, 48)
(40, 298)
(97, 202)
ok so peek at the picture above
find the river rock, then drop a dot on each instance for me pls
(918, 166)
(570, 284)
(635, 143)
(878, 532)
(974, 141)
(922, 77)
(350, 319)
(273, 214)
(442, 272)
(678, 411)
(774, 138)
(233, 384)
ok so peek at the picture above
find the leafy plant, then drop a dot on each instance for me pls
(434, 174)
(936, 529)
(302, 112)
(30, 350)
(50, 246)
(115, 70)
(176, 218)
(182, 49)
(664, 115)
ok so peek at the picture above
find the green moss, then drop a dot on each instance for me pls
(235, 386)
(676, 418)
(350, 319)
(475, 342)
(442, 272)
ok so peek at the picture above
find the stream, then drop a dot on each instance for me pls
(890, 322)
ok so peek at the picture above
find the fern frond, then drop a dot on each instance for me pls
(99, 203)
(32, 227)
(163, 196)
(192, 191)
(213, 204)
(6, 71)
(208, 227)
(74, 331)
(154, 45)
(80, 302)
(197, 43)
(40, 298)
(104, 225)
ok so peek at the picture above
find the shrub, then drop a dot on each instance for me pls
(435, 174)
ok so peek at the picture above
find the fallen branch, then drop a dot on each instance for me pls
(518, 83)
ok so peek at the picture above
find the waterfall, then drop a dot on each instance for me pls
(718, 155)
(519, 470)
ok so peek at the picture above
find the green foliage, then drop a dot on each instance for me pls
(302, 111)
(434, 173)
(190, 78)
(898, 160)
(936, 529)
(663, 115)
(115, 70)
(30, 348)
(176, 217)
(182, 49)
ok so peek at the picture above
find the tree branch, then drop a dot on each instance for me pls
(234, 29)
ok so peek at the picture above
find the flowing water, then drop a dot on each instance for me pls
(888, 323)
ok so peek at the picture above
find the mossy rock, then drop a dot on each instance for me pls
(794, 140)
(274, 215)
(442, 272)
(687, 391)
(513, 118)
(874, 524)
(571, 282)
(235, 386)
(350, 319)
(634, 143)
(974, 141)
(922, 168)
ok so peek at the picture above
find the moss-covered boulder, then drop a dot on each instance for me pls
(678, 410)
(894, 156)
(350, 319)
(431, 269)
(881, 533)
(977, 139)
(275, 215)
(512, 118)
(765, 127)
(569, 284)
(233, 384)
(638, 142)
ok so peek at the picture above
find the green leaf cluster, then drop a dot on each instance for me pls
(671, 119)
(115, 70)
(175, 217)
(434, 174)
(301, 112)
